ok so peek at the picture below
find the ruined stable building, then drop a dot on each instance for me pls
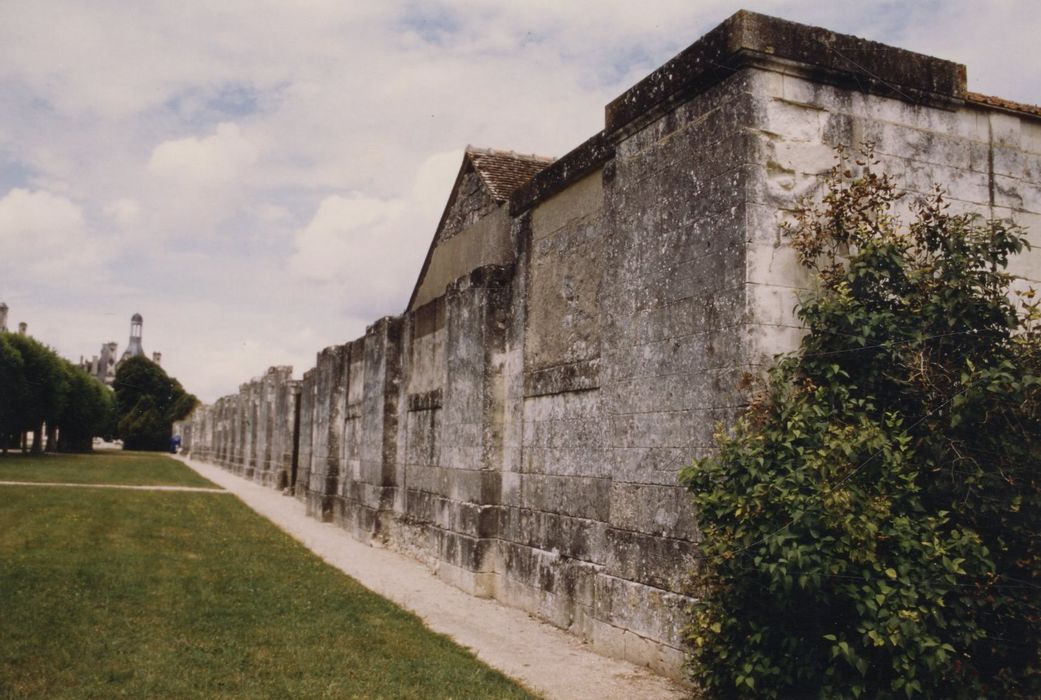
(580, 326)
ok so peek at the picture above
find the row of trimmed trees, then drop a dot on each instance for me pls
(46, 395)
(39, 388)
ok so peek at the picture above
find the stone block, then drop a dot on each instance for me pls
(573, 376)
(921, 145)
(1005, 129)
(810, 158)
(776, 265)
(920, 177)
(1016, 163)
(665, 563)
(1020, 195)
(707, 119)
(579, 539)
(765, 341)
(773, 304)
(1030, 136)
(480, 584)
(650, 465)
(582, 199)
(643, 610)
(562, 406)
(796, 121)
(567, 461)
(653, 509)
(820, 96)
(583, 497)
(470, 553)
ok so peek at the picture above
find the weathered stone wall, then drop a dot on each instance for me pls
(450, 429)
(566, 351)
(369, 447)
(305, 435)
(275, 426)
(988, 160)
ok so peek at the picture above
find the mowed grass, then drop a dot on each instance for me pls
(101, 467)
(191, 595)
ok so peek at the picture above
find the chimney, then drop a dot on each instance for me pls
(157, 357)
(23, 328)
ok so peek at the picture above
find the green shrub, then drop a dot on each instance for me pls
(871, 524)
(148, 401)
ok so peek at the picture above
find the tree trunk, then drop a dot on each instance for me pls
(38, 439)
(52, 438)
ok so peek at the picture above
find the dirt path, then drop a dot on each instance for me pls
(542, 657)
(196, 489)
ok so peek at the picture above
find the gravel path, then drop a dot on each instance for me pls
(198, 489)
(543, 658)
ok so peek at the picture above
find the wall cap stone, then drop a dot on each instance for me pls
(580, 161)
(748, 39)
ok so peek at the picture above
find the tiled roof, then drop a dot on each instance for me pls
(1001, 103)
(505, 171)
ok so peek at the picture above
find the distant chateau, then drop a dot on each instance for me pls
(104, 366)
(23, 327)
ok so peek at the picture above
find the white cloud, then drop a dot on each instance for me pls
(348, 239)
(278, 168)
(124, 212)
(44, 233)
(370, 250)
(215, 159)
(273, 214)
(433, 184)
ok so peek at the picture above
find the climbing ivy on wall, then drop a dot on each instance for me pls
(872, 524)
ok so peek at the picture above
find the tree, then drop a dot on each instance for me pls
(89, 410)
(872, 524)
(148, 401)
(13, 392)
(37, 386)
(45, 395)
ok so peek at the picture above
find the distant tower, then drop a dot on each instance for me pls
(157, 357)
(106, 371)
(23, 328)
(134, 348)
(3, 317)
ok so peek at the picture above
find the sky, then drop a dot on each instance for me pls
(261, 178)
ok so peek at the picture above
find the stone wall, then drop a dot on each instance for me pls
(252, 433)
(570, 347)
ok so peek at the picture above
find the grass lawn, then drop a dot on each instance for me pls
(192, 595)
(102, 467)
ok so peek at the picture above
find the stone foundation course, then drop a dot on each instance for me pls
(581, 326)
